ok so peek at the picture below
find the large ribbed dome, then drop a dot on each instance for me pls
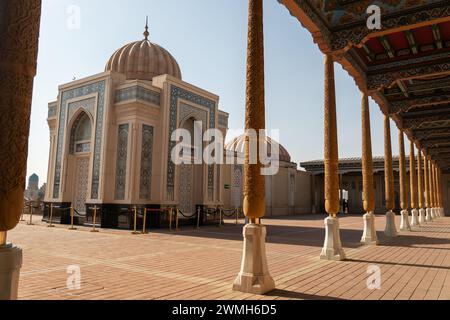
(238, 145)
(143, 60)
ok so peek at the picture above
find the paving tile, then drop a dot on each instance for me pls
(202, 264)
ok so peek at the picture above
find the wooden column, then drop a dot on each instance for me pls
(332, 248)
(331, 158)
(421, 188)
(19, 33)
(426, 169)
(435, 185)
(428, 191)
(391, 229)
(420, 184)
(413, 186)
(413, 177)
(432, 185)
(438, 187)
(369, 234)
(254, 183)
(430, 210)
(254, 276)
(441, 194)
(388, 171)
(405, 224)
(403, 184)
(367, 160)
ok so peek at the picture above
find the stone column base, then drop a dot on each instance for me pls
(405, 226)
(415, 218)
(433, 213)
(370, 233)
(442, 212)
(391, 228)
(436, 213)
(422, 216)
(332, 248)
(254, 276)
(10, 264)
(429, 218)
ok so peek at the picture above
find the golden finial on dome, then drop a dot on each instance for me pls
(146, 33)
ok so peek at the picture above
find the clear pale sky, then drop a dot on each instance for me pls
(208, 39)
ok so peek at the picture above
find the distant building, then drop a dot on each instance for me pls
(32, 191)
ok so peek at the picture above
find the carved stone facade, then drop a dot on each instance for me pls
(121, 162)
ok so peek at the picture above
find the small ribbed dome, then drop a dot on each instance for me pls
(238, 145)
(33, 177)
(143, 60)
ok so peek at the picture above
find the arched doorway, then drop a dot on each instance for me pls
(80, 151)
(190, 175)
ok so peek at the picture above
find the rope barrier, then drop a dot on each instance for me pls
(144, 223)
(50, 223)
(71, 218)
(78, 213)
(232, 212)
(188, 216)
(30, 223)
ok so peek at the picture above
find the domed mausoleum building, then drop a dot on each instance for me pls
(111, 146)
(110, 138)
(288, 192)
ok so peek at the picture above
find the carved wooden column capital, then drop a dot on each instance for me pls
(19, 33)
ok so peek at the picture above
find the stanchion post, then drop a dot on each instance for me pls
(30, 223)
(135, 221)
(176, 220)
(198, 218)
(50, 222)
(71, 218)
(237, 216)
(144, 229)
(21, 216)
(220, 217)
(94, 220)
(170, 218)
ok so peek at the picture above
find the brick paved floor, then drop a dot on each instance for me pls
(202, 264)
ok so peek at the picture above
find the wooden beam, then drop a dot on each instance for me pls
(428, 133)
(385, 42)
(414, 123)
(403, 87)
(370, 54)
(412, 42)
(437, 36)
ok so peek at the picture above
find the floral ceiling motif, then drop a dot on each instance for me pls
(337, 13)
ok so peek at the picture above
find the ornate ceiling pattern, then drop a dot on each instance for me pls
(405, 65)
